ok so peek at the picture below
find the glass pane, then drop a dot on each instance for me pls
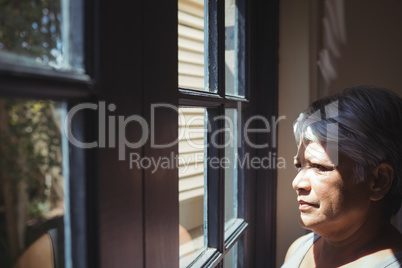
(191, 44)
(191, 183)
(31, 183)
(230, 260)
(231, 136)
(36, 32)
(230, 47)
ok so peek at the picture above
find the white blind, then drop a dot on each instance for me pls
(191, 128)
(191, 44)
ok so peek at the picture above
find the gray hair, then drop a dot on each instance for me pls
(368, 130)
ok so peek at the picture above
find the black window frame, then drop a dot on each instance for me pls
(257, 188)
(215, 100)
(123, 217)
(71, 87)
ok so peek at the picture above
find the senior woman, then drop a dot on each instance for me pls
(349, 180)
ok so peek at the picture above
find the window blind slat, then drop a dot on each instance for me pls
(191, 82)
(191, 57)
(190, 20)
(195, 145)
(190, 45)
(192, 8)
(195, 182)
(191, 69)
(191, 33)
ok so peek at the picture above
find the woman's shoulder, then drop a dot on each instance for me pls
(394, 250)
(393, 261)
(298, 243)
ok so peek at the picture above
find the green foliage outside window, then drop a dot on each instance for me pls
(31, 28)
(30, 153)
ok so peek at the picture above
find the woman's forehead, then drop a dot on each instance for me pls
(313, 151)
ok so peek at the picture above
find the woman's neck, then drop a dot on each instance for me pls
(375, 235)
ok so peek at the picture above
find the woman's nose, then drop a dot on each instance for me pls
(301, 182)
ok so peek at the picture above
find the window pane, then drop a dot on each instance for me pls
(191, 183)
(230, 47)
(36, 33)
(231, 136)
(32, 206)
(230, 260)
(191, 44)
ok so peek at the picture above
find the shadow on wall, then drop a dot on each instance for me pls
(372, 53)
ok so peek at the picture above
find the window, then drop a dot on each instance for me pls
(33, 171)
(42, 36)
(212, 93)
(42, 74)
(121, 58)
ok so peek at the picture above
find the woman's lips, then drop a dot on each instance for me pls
(303, 205)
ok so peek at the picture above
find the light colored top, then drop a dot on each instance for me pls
(393, 261)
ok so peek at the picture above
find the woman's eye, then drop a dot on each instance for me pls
(298, 166)
(320, 167)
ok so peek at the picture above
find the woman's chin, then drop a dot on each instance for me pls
(308, 222)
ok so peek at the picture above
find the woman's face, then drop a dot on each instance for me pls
(330, 201)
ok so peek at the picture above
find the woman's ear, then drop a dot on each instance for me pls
(381, 181)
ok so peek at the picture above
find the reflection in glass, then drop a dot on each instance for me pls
(31, 183)
(230, 47)
(191, 44)
(32, 32)
(230, 260)
(231, 136)
(191, 183)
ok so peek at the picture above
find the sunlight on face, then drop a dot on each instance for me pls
(329, 200)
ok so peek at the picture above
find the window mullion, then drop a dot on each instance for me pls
(216, 82)
(221, 182)
(216, 46)
(240, 47)
(215, 180)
